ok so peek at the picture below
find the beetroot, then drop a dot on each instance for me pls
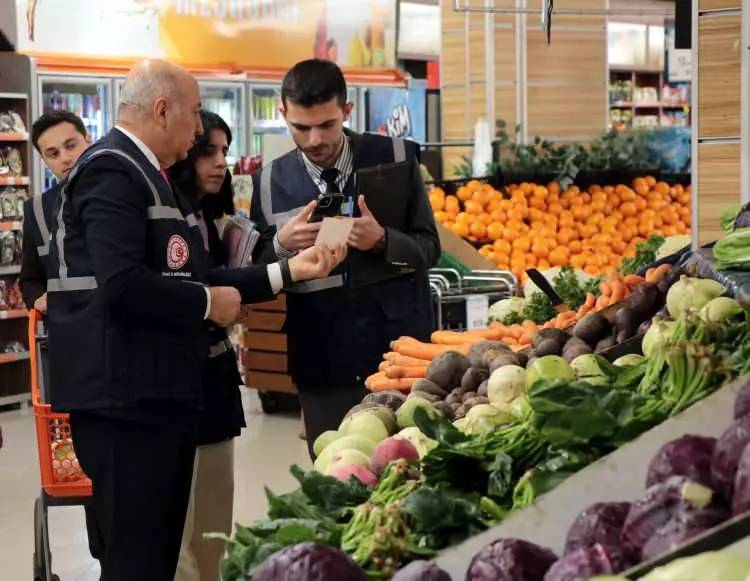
(741, 495)
(510, 560)
(657, 507)
(421, 571)
(581, 564)
(309, 561)
(686, 456)
(727, 454)
(742, 403)
(600, 523)
(682, 527)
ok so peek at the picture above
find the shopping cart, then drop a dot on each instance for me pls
(461, 299)
(63, 481)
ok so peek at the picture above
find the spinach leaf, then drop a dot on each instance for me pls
(438, 428)
(500, 476)
(329, 493)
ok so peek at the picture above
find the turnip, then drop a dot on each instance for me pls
(506, 384)
(345, 472)
(691, 293)
(390, 449)
(549, 367)
(365, 423)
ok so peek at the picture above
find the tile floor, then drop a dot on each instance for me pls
(263, 455)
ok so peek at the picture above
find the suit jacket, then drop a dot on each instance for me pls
(337, 336)
(39, 215)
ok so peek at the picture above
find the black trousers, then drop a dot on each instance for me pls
(141, 474)
(324, 408)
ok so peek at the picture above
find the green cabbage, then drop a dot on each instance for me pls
(500, 310)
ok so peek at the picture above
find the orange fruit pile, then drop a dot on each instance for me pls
(542, 226)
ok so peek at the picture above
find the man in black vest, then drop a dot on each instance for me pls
(338, 328)
(60, 138)
(131, 305)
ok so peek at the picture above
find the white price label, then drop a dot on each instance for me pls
(477, 310)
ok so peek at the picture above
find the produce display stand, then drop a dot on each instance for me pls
(619, 476)
(63, 482)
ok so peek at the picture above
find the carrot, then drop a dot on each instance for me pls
(405, 361)
(398, 371)
(384, 365)
(525, 339)
(650, 275)
(606, 288)
(528, 324)
(660, 271)
(456, 338)
(514, 331)
(614, 276)
(618, 293)
(427, 351)
(602, 303)
(379, 382)
(633, 280)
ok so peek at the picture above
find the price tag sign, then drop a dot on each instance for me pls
(477, 310)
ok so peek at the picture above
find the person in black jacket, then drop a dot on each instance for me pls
(60, 138)
(203, 177)
(339, 328)
(132, 308)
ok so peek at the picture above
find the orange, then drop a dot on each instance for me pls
(502, 246)
(498, 216)
(474, 207)
(437, 200)
(662, 187)
(522, 244)
(619, 246)
(540, 250)
(452, 205)
(628, 209)
(651, 181)
(543, 264)
(485, 249)
(540, 192)
(598, 206)
(537, 203)
(553, 188)
(559, 256)
(535, 215)
(495, 231)
(564, 237)
(555, 208)
(464, 193)
(494, 206)
(460, 229)
(465, 218)
(478, 229)
(485, 218)
(519, 213)
(510, 234)
(474, 185)
(441, 217)
(580, 212)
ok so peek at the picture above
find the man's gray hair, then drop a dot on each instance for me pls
(142, 88)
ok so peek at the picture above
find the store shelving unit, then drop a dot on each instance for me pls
(637, 99)
(15, 95)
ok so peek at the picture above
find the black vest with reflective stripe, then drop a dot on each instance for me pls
(39, 215)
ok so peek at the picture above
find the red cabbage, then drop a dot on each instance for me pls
(309, 561)
(510, 560)
(421, 571)
(581, 564)
(681, 528)
(688, 456)
(742, 220)
(657, 507)
(600, 523)
(742, 402)
(741, 496)
(727, 454)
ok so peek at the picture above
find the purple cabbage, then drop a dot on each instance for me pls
(309, 561)
(727, 454)
(682, 527)
(742, 402)
(742, 220)
(657, 507)
(601, 523)
(510, 560)
(581, 564)
(688, 456)
(741, 495)
(421, 571)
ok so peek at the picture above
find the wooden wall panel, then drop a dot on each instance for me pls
(719, 76)
(451, 20)
(566, 111)
(505, 105)
(477, 54)
(453, 59)
(573, 56)
(478, 104)
(718, 186)
(534, 20)
(455, 122)
(712, 4)
(452, 157)
(505, 54)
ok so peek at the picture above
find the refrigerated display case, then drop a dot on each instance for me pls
(228, 101)
(88, 97)
(265, 117)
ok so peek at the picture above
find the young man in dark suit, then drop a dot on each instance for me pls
(338, 328)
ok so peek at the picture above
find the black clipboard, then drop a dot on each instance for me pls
(387, 189)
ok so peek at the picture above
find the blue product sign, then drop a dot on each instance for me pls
(399, 112)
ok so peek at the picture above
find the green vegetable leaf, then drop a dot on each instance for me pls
(512, 319)
(501, 476)
(539, 308)
(645, 255)
(329, 493)
(569, 288)
(438, 427)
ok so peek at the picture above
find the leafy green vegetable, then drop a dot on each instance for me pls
(549, 474)
(645, 255)
(732, 251)
(729, 216)
(513, 319)
(539, 309)
(569, 288)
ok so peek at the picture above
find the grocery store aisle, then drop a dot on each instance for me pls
(263, 455)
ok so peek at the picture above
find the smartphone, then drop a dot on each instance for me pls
(329, 206)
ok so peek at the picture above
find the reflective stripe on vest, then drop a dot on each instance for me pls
(41, 224)
(399, 150)
(156, 212)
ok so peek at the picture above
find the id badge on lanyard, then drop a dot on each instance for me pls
(347, 206)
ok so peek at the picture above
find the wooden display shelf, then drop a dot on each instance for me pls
(14, 136)
(14, 314)
(15, 181)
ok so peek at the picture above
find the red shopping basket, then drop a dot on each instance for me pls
(58, 466)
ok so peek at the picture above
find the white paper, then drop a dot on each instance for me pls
(477, 311)
(334, 231)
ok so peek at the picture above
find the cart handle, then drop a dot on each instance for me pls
(34, 319)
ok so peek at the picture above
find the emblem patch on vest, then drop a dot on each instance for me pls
(178, 252)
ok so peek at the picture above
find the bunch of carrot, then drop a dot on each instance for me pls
(409, 358)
